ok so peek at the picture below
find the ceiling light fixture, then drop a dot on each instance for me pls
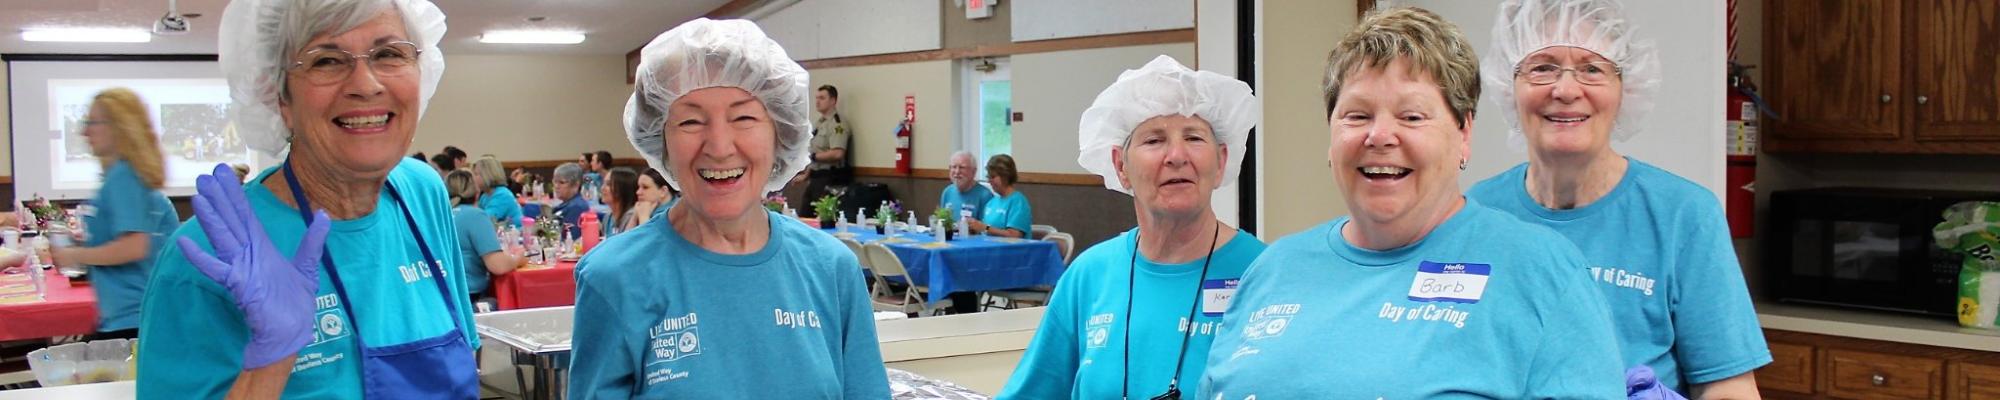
(98, 35)
(532, 37)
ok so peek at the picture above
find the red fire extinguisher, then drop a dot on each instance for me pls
(903, 135)
(1741, 114)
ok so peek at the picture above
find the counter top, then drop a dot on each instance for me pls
(107, 390)
(1888, 327)
(953, 335)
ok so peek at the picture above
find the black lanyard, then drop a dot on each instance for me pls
(1131, 276)
(326, 257)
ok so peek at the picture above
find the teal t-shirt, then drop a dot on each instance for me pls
(668, 319)
(1010, 211)
(476, 239)
(194, 333)
(1658, 247)
(124, 204)
(974, 199)
(500, 205)
(1485, 306)
(1079, 351)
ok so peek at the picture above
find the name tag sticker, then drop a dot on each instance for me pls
(1216, 295)
(1450, 282)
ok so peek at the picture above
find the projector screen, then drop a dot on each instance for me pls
(188, 102)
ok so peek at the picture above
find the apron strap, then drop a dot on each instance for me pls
(333, 274)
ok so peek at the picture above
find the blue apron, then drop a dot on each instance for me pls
(440, 367)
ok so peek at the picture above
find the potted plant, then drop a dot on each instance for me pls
(775, 203)
(947, 221)
(825, 208)
(885, 215)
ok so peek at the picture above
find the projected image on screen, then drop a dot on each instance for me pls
(191, 117)
(49, 99)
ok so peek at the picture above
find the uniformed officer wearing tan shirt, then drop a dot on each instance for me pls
(831, 137)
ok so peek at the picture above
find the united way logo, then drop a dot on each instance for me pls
(1097, 330)
(674, 338)
(1270, 321)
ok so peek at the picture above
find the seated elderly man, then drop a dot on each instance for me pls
(965, 193)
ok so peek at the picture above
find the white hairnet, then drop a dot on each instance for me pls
(253, 59)
(1527, 26)
(706, 53)
(1164, 87)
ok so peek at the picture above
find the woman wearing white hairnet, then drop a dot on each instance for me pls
(722, 298)
(1168, 136)
(256, 300)
(1421, 293)
(1572, 77)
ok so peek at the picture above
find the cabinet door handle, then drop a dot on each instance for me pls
(1886, 98)
(1923, 99)
(1878, 380)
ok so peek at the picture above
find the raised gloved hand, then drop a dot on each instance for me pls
(275, 293)
(1641, 384)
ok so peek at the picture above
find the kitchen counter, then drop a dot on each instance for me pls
(1882, 326)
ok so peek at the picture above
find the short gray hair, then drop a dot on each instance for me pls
(569, 172)
(962, 153)
(294, 26)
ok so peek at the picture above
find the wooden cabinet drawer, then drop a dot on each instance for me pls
(1866, 375)
(1790, 370)
(1974, 381)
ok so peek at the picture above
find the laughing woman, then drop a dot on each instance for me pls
(1420, 293)
(721, 296)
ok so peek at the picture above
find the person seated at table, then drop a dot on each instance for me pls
(498, 201)
(131, 218)
(964, 193)
(1134, 315)
(684, 306)
(479, 247)
(1007, 214)
(569, 188)
(655, 196)
(621, 192)
(1421, 293)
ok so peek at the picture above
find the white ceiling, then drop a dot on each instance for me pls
(611, 26)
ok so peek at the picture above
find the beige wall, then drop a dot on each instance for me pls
(528, 107)
(1052, 89)
(871, 101)
(6, 146)
(1298, 191)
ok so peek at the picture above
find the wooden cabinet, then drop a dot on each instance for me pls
(1883, 76)
(1870, 375)
(1811, 366)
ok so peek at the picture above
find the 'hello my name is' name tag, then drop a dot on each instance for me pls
(1216, 295)
(1450, 282)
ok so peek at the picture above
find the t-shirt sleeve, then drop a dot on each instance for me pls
(1716, 333)
(1576, 357)
(862, 373)
(600, 368)
(1048, 368)
(199, 332)
(127, 201)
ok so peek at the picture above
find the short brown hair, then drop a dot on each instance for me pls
(1434, 46)
(1002, 166)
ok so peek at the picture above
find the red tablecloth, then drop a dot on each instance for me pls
(540, 287)
(67, 310)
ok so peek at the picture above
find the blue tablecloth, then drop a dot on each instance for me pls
(971, 264)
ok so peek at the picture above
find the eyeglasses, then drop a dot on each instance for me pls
(325, 66)
(93, 122)
(1596, 73)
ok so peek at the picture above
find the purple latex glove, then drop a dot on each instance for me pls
(275, 293)
(1641, 384)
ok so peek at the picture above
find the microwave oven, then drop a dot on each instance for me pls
(1863, 248)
